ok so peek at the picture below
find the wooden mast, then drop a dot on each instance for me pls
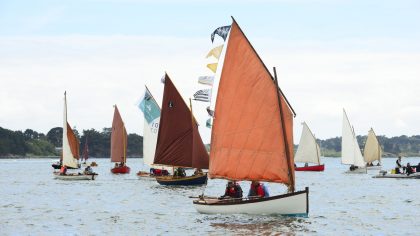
(286, 144)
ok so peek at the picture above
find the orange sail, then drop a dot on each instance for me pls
(252, 135)
(179, 142)
(118, 138)
(73, 141)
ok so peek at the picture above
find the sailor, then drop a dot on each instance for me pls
(63, 170)
(397, 168)
(198, 171)
(233, 190)
(409, 170)
(88, 170)
(256, 190)
(306, 165)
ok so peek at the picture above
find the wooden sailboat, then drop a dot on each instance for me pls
(350, 150)
(71, 152)
(85, 153)
(308, 151)
(119, 144)
(252, 135)
(179, 143)
(151, 111)
(372, 151)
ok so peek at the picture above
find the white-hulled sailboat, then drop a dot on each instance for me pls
(372, 151)
(252, 135)
(350, 150)
(151, 112)
(71, 153)
(308, 151)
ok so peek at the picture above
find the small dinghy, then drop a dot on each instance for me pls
(187, 180)
(384, 174)
(75, 176)
(119, 144)
(308, 151)
(252, 135)
(372, 151)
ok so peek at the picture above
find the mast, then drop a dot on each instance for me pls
(286, 144)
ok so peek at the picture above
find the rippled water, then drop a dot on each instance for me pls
(34, 203)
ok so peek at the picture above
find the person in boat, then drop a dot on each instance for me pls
(121, 164)
(257, 189)
(180, 172)
(378, 164)
(63, 170)
(397, 168)
(233, 190)
(418, 168)
(353, 167)
(88, 170)
(409, 169)
(198, 171)
(306, 165)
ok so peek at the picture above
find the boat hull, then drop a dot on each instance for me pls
(185, 181)
(397, 176)
(76, 177)
(121, 170)
(357, 171)
(310, 168)
(374, 167)
(290, 204)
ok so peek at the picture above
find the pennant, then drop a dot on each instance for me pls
(203, 95)
(208, 80)
(210, 112)
(212, 67)
(163, 79)
(215, 52)
(221, 31)
(208, 123)
(149, 107)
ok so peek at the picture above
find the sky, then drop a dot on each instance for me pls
(360, 55)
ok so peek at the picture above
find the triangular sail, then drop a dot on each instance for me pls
(249, 141)
(308, 150)
(118, 138)
(70, 142)
(151, 111)
(372, 151)
(350, 151)
(179, 142)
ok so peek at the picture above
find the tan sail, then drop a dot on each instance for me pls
(118, 138)
(372, 151)
(249, 140)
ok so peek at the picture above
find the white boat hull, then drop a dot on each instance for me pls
(374, 167)
(291, 204)
(75, 177)
(398, 176)
(357, 171)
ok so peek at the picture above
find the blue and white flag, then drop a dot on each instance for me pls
(149, 107)
(221, 31)
(203, 95)
(208, 123)
(207, 80)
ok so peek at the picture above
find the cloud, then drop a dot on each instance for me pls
(377, 86)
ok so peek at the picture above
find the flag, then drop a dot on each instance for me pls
(208, 80)
(212, 67)
(208, 123)
(203, 95)
(210, 112)
(215, 52)
(149, 107)
(221, 31)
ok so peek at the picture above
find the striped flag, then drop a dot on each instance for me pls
(208, 80)
(203, 95)
(221, 31)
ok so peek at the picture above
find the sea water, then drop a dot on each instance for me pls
(33, 203)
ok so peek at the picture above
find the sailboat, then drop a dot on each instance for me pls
(372, 151)
(252, 135)
(179, 143)
(308, 151)
(350, 150)
(85, 153)
(71, 152)
(119, 144)
(151, 111)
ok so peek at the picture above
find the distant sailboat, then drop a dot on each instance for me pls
(119, 144)
(70, 152)
(252, 135)
(372, 151)
(151, 112)
(85, 153)
(308, 151)
(179, 143)
(350, 150)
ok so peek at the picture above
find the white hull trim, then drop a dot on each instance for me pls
(290, 204)
(357, 171)
(75, 177)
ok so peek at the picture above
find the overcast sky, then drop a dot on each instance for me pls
(363, 56)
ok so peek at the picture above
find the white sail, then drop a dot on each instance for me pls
(350, 151)
(68, 158)
(308, 150)
(372, 151)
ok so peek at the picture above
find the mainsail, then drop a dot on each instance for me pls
(308, 150)
(252, 135)
(179, 142)
(350, 151)
(118, 138)
(70, 142)
(372, 151)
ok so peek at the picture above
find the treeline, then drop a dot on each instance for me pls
(401, 145)
(31, 143)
